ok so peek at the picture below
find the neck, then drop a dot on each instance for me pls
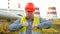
(29, 18)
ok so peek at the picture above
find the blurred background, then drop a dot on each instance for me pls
(11, 10)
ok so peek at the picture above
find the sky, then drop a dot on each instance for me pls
(42, 4)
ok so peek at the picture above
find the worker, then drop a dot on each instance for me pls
(30, 24)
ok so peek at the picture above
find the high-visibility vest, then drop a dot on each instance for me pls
(36, 21)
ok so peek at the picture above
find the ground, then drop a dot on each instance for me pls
(55, 29)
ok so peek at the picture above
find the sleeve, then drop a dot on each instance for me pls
(15, 26)
(45, 23)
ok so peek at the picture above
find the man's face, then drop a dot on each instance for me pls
(29, 14)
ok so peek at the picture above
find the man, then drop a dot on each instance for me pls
(30, 24)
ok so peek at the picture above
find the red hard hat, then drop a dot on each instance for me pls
(30, 7)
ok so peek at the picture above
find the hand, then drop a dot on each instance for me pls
(34, 27)
(25, 24)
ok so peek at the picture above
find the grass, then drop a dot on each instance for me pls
(55, 29)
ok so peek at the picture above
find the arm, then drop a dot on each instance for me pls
(45, 23)
(15, 26)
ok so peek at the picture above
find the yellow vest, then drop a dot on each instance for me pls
(36, 21)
